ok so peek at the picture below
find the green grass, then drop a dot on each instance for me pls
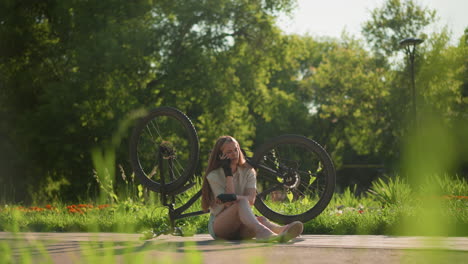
(389, 204)
(381, 211)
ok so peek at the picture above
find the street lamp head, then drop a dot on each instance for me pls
(411, 42)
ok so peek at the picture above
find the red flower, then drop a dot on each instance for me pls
(455, 197)
(102, 206)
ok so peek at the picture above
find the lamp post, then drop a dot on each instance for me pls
(409, 44)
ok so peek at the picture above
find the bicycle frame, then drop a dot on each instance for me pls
(301, 169)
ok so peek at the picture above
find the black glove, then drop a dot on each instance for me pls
(227, 197)
(226, 164)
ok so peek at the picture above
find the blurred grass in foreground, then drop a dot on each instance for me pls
(432, 149)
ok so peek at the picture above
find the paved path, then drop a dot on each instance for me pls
(128, 248)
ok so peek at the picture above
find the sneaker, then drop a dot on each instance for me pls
(293, 230)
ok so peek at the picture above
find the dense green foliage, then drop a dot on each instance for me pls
(73, 71)
(395, 21)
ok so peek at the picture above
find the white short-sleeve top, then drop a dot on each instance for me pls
(244, 178)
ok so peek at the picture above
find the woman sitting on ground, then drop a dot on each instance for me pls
(229, 175)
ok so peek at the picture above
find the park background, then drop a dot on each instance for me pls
(76, 73)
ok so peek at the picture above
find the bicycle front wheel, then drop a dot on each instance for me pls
(164, 149)
(295, 179)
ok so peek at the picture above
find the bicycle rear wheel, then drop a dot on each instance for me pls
(295, 179)
(164, 149)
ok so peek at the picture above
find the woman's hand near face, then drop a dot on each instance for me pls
(230, 151)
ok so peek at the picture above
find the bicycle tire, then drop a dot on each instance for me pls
(295, 179)
(168, 127)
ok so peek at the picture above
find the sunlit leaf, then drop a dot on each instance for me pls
(312, 180)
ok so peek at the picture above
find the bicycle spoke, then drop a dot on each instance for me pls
(156, 127)
(180, 166)
(271, 171)
(298, 191)
(152, 138)
(274, 160)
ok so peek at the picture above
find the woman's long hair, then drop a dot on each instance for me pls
(213, 163)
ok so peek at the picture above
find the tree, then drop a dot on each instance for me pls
(296, 59)
(350, 98)
(441, 76)
(393, 22)
(71, 71)
(389, 24)
(463, 44)
(439, 66)
(218, 71)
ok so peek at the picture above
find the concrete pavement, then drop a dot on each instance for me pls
(128, 248)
